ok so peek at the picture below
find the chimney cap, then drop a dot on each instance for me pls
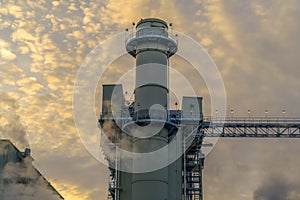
(26, 153)
(157, 20)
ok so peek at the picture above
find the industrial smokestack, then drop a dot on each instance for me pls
(152, 47)
(146, 127)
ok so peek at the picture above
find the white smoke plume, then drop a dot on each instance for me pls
(11, 127)
(110, 139)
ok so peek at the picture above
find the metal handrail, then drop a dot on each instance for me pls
(212, 119)
(149, 31)
(253, 120)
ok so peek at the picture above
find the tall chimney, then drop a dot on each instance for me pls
(152, 47)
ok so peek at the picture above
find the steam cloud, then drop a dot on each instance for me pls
(277, 188)
(11, 126)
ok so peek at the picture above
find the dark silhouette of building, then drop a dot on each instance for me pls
(19, 179)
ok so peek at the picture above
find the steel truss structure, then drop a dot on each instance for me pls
(250, 127)
(193, 158)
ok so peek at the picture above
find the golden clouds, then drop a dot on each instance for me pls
(206, 42)
(3, 43)
(116, 10)
(22, 34)
(72, 7)
(24, 49)
(71, 191)
(53, 82)
(55, 3)
(6, 54)
(219, 21)
(87, 19)
(29, 86)
(3, 10)
(125, 12)
(15, 10)
(77, 34)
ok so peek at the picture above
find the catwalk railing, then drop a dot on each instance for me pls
(286, 127)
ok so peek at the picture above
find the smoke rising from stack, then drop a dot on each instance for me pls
(11, 126)
(110, 140)
(277, 188)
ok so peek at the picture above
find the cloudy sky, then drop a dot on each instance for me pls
(255, 45)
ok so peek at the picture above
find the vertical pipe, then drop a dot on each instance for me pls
(184, 166)
(117, 174)
(168, 84)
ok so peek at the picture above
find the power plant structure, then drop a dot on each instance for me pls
(19, 179)
(148, 125)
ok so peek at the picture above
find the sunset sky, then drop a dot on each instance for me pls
(255, 45)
